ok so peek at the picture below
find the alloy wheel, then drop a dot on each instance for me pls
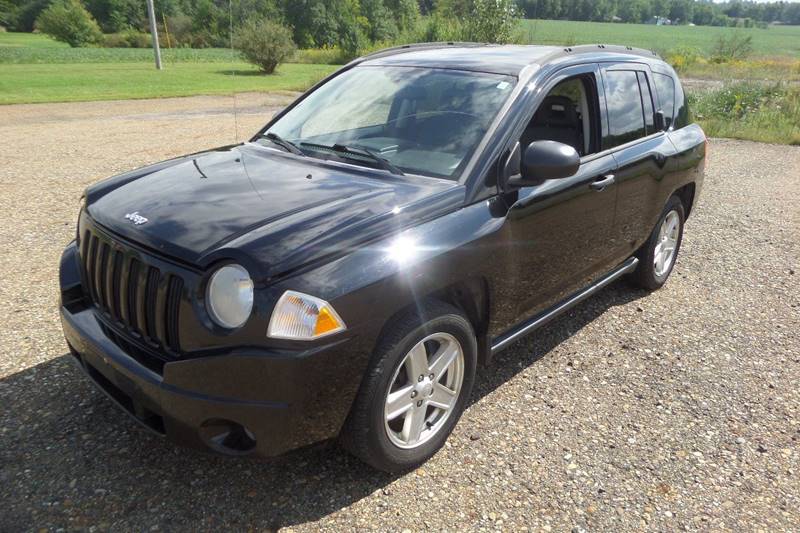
(424, 390)
(668, 234)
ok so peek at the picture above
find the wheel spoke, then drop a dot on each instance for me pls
(413, 425)
(673, 227)
(443, 359)
(399, 402)
(660, 262)
(417, 362)
(442, 397)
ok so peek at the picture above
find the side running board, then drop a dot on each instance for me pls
(501, 342)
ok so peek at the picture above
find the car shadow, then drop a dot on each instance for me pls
(70, 459)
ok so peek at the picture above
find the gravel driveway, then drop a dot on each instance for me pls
(679, 409)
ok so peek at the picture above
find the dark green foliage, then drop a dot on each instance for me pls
(68, 21)
(381, 25)
(128, 38)
(118, 15)
(264, 43)
(23, 17)
(8, 13)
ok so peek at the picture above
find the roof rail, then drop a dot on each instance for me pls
(418, 46)
(611, 48)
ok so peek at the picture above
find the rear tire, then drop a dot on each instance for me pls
(658, 255)
(399, 420)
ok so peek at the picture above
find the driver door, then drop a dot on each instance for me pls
(562, 229)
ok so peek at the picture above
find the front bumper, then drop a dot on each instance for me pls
(261, 402)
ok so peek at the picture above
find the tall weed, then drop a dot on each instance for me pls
(750, 111)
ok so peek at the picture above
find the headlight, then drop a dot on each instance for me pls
(303, 317)
(229, 296)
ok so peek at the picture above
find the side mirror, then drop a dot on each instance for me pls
(546, 160)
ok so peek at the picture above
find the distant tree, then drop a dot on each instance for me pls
(405, 12)
(68, 21)
(8, 13)
(630, 11)
(380, 25)
(703, 14)
(493, 21)
(681, 11)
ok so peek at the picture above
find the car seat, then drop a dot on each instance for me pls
(555, 120)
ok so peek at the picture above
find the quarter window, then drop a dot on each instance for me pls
(666, 96)
(624, 102)
(647, 104)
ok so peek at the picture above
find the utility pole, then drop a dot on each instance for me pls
(151, 14)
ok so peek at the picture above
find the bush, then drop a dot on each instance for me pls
(129, 38)
(180, 30)
(750, 111)
(264, 43)
(320, 56)
(682, 57)
(69, 22)
(734, 47)
(486, 21)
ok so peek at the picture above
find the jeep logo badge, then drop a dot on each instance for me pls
(136, 218)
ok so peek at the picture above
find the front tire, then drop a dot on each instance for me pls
(658, 255)
(415, 390)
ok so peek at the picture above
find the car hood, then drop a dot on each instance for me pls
(273, 211)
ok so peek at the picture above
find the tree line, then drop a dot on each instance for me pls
(702, 12)
(349, 24)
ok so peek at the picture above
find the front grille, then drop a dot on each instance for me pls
(137, 298)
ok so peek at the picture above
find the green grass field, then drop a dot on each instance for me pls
(773, 41)
(110, 81)
(35, 68)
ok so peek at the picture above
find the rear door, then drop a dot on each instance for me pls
(640, 149)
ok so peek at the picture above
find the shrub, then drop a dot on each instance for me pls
(129, 38)
(440, 29)
(320, 56)
(750, 111)
(682, 57)
(69, 22)
(264, 43)
(180, 30)
(733, 47)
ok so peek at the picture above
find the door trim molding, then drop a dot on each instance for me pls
(503, 341)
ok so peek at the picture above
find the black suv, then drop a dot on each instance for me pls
(345, 272)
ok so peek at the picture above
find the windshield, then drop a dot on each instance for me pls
(421, 121)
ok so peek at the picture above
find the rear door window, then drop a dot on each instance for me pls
(666, 96)
(624, 103)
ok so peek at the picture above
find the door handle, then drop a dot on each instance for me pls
(602, 182)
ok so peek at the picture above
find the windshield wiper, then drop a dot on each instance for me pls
(289, 146)
(358, 151)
